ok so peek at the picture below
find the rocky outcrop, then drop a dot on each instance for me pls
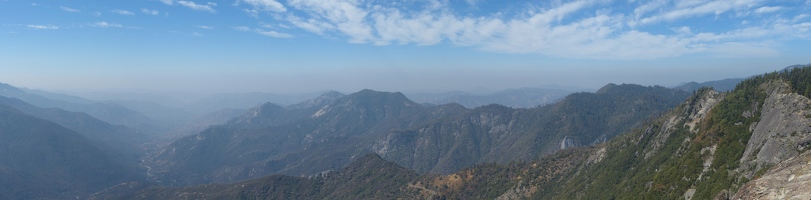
(790, 179)
(692, 112)
(784, 129)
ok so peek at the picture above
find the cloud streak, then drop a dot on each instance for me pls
(265, 5)
(66, 9)
(42, 27)
(103, 24)
(195, 6)
(149, 12)
(274, 34)
(122, 12)
(576, 29)
(208, 7)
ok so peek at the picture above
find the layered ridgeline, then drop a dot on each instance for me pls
(305, 140)
(368, 177)
(708, 147)
(261, 142)
(40, 159)
(750, 143)
(497, 134)
(515, 98)
(111, 113)
(719, 85)
(122, 138)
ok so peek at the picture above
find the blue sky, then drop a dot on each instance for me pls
(290, 46)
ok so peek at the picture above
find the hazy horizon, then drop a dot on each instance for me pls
(307, 46)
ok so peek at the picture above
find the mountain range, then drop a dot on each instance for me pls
(515, 98)
(44, 160)
(696, 141)
(302, 140)
(749, 143)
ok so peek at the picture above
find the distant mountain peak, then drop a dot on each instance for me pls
(6, 88)
(266, 107)
(368, 93)
(791, 67)
(611, 87)
(260, 116)
(320, 101)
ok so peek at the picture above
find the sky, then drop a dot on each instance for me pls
(296, 46)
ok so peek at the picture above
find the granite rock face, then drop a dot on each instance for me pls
(790, 179)
(784, 129)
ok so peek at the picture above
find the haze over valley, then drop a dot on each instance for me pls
(426, 99)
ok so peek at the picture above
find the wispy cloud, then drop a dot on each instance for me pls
(241, 28)
(42, 27)
(269, 33)
(200, 7)
(265, 5)
(149, 12)
(122, 12)
(205, 27)
(686, 9)
(768, 9)
(103, 24)
(578, 28)
(274, 34)
(190, 4)
(69, 9)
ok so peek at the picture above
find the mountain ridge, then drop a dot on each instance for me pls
(42, 159)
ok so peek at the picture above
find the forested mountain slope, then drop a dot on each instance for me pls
(111, 113)
(750, 143)
(326, 138)
(120, 137)
(709, 147)
(40, 159)
(368, 177)
(305, 140)
(499, 134)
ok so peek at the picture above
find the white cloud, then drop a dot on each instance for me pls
(799, 17)
(42, 27)
(312, 25)
(241, 28)
(103, 24)
(205, 27)
(577, 28)
(274, 34)
(691, 8)
(69, 9)
(252, 12)
(649, 7)
(269, 33)
(768, 9)
(149, 12)
(266, 5)
(122, 12)
(190, 4)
